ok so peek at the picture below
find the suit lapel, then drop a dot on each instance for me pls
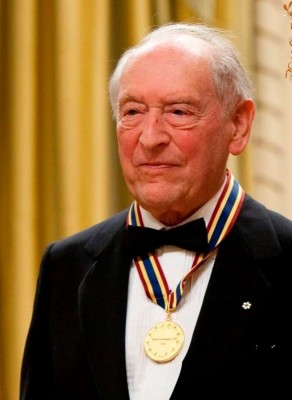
(105, 288)
(234, 294)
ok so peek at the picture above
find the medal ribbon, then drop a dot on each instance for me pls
(221, 221)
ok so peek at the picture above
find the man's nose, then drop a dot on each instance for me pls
(154, 129)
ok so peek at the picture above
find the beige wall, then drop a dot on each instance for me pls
(272, 137)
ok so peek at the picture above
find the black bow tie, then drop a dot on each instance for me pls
(191, 236)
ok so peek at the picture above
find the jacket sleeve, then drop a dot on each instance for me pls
(36, 371)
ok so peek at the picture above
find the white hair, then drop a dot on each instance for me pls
(230, 79)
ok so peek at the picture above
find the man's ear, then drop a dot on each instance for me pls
(242, 118)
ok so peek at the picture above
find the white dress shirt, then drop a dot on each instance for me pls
(148, 379)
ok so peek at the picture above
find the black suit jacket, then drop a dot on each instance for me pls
(75, 348)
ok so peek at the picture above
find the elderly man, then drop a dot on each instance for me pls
(185, 293)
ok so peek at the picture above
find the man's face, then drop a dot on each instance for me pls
(172, 134)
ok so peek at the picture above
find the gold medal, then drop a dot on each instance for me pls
(164, 341)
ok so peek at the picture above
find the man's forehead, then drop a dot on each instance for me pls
(176, 52)
(179, 43)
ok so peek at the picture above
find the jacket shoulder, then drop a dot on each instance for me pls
(263, 228)
(100, 233)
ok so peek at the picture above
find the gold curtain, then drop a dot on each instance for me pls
(59, 166)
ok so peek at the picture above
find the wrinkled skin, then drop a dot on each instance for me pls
(173, 136)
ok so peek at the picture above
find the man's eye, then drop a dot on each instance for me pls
(178, 112)
(180, 117)
(131, 111)
(130, 117)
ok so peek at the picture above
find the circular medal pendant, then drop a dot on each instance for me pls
(164, 341)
